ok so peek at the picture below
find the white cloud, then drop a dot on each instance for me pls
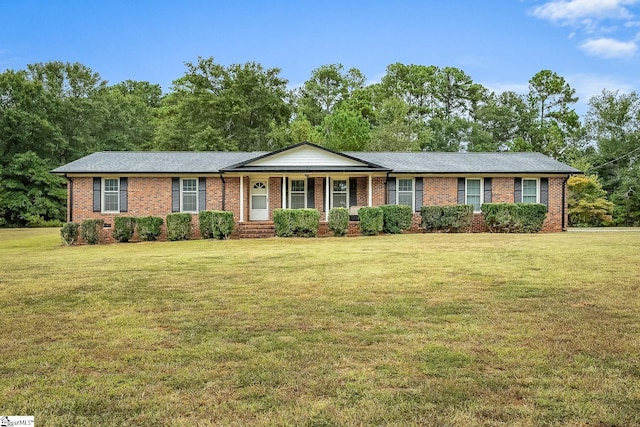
(574, 11)
(609, 48)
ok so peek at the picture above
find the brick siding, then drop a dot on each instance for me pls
(152, 196)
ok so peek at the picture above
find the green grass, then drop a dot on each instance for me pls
(432, 329)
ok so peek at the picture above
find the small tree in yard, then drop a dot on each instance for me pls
(69, 233)
(587, 203)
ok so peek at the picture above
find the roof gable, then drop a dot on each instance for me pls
(305, 155)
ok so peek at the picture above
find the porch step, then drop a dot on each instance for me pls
(256, 230)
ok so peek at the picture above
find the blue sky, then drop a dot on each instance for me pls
(499, 43)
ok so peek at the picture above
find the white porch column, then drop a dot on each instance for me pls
(241, 198)
(284, 192)
(326, 200)
(370, 195)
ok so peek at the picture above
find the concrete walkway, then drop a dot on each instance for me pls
(602, 229)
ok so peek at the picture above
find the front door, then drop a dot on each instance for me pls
(259, 200)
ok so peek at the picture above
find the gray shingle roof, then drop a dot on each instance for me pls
(156, 162)
(400, 162)
(431, 162)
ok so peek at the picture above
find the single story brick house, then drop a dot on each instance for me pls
(253, 184)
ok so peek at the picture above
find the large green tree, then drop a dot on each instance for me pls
(499, 121)
(29, 194)
(213, 107)
(53, 113)
(397, 130)
(555, 127)
(613, 125)
(328, 86)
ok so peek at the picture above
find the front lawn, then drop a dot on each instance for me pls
(423, 329)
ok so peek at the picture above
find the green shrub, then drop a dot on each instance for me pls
(123, 228)
(296, 222)
(448, 219)
(91, 231)
(69, 233)
(339, 221)
(371, 220)
(205, 224)
(178, 226)
(216, 224)
(396, 218)
(514, 217)
(36, 221)
(149, 227)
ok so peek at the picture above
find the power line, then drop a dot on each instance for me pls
(615, 160)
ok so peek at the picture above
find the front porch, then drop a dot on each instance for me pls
(260, 195)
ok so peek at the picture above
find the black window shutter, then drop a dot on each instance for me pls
(175, 194)
(311, 188)
(353, 192)
(487, 190)
(461, 194)
(419, 193)
(97, 182)
(517, 190)
(391, 189)
(202, 194)
(124, 194)
(286, 193)
(544, 191)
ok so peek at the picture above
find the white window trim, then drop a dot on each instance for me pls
(413, 191)
(537, 180)
(466, 192)
(332, 192)
(103, 193)
(304, 180)
(182, 194)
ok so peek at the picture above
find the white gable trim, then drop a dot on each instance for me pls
(305, 155)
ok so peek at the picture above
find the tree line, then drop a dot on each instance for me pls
(53, 113)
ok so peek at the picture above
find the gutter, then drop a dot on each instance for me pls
(564, 199)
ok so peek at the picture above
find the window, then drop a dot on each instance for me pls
(189, 196)
(529, 191)
(405, 192)
(297, 195)
(339, 193)
(474, 194)
(111, 195)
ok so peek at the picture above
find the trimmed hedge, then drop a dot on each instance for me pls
(149, 227)
(216, 224)
(296, 222)
(371, 220)
(178, 226)
(396, 218)
(123, 228)
(339, 221)
(514, 217)
(91, 231)
(448, 219)
(69, 233)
